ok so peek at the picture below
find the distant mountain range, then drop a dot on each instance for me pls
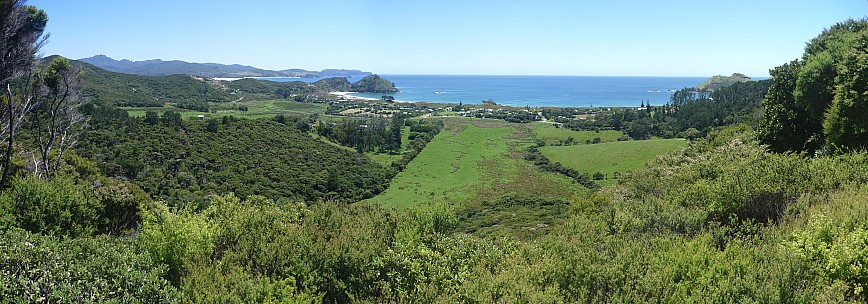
(157, 67)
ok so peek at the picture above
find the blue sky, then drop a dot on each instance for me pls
(589, 38)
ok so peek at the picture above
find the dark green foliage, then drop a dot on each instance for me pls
(817, 96)
(184, 161)
(537, 158)
(171, 119)
(151, 117)
(146, 91)
(393, 139)
(58, 207)
(45, 269)
(599, 175)
(374, 84)
(372, 134)
(364, 135)
(272, 88)
(334, 84)
(512, 216)
(688, 108)
(78, 202)
(200, 106)
(737, 103)
(781, 127)
(846, 124)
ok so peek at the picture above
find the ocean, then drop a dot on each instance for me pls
(536, 91)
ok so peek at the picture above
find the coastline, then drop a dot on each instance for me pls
(347, 95)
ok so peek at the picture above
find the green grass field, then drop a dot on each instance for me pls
(551, 135)
(470, 161)
(609, 158)
(255, 109)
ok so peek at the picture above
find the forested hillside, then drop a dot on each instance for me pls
(185, 161)
(145, 91)
(128, 90)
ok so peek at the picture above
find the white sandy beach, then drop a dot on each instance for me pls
(351, 97)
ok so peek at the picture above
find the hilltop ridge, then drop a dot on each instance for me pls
(126, 89)
(158, 67)
(720, 81)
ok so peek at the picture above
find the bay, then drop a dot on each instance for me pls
(539, 91)
(533, 91)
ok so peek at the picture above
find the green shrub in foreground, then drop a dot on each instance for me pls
(57, 207)
(46, 269)
(834, 243)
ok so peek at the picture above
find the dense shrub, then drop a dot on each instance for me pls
(728, 178)
(45, 269)
(175, 238)
(57, 207)
(69, 207)
(186, 162)
(834, 243)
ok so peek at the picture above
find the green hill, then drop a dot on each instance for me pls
(720, 81)
(128, 90)
(145, 91)
(374, 84)
(185, 161)
(157, 67)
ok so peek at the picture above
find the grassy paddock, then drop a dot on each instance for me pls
(609, 158)
(448, 168)
(255, 109)
(473, 160)
(548, 133)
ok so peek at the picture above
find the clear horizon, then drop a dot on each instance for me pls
(548, 38)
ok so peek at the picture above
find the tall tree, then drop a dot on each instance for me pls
(846, 123)
(781, 126)
(393, 140)
(56, 120)
(21, 36)
(803, 91)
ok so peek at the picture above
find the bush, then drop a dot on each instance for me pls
(45, 269)
(175, 238)
(57, 207)
(834, 243)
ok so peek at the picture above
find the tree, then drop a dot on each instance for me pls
(172, 118)
(152, 118)
(56, 120)
(799, 104)
(212, 126)
(394, 137)
(782, 118)
(846, 121)
(21, 36)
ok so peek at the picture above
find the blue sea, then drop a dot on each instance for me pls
(536, 91)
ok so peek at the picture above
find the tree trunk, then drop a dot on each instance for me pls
(11, 127)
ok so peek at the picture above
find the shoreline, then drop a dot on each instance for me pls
(353, 97)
